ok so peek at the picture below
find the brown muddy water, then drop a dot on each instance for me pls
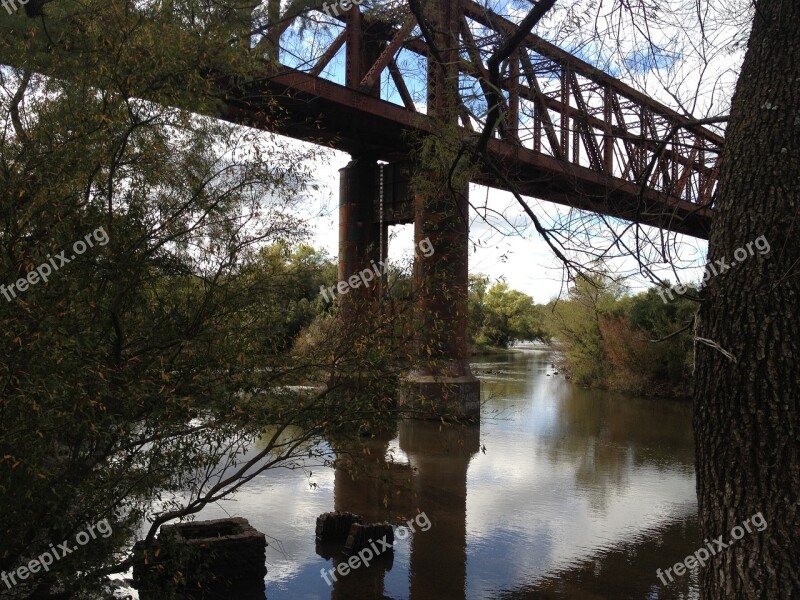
(559, 493)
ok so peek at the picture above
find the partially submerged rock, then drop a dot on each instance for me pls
(335, 526)
(366, 536)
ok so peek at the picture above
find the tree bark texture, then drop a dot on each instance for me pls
(746, 422)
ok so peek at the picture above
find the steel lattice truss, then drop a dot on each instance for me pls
(570, 133)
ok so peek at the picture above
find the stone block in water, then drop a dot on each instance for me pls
(205, 559)
(335, 526)
(364, 536)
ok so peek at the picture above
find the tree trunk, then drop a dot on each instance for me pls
(746, 412)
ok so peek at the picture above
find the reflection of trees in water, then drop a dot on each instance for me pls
(601, 472)
(610, 436)
(609, 575)
(605, 436)
(654, 439)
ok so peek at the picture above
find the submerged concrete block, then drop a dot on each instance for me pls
(335, 526)
(436, 397)
(203, 559)
(365, 536)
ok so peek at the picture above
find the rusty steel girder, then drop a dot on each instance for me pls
(570, 133)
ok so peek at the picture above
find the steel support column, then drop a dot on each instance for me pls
(359, 233)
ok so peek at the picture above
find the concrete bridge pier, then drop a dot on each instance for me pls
(442, 384)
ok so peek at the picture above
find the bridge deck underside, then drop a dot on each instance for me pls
(324, 112)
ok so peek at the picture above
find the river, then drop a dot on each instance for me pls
(560, 492)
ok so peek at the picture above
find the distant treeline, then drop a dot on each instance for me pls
(607, 336)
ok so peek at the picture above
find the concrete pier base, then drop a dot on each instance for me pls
(434, 397)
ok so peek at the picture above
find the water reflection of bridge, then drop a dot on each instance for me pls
(578, 492)
(435, 480)
(582, 494)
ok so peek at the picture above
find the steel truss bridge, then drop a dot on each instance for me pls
(375, 83)
(570, 133)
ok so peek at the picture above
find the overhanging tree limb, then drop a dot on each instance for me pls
(506, 49)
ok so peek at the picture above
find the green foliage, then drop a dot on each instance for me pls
(607, 338)
(445, 166)
(294, 277)
(138, 374)
(499, 317)
(575, 325)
